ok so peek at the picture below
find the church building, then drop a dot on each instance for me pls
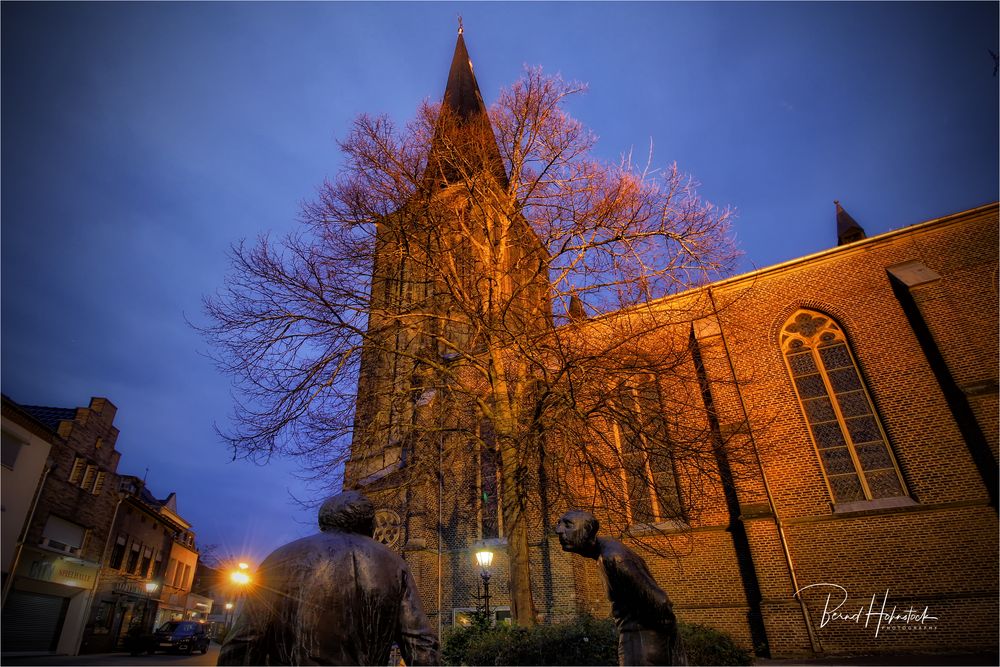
(853, 506)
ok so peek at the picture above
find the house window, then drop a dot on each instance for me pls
(489, 482)
(11, 448)
(63, 535)
(646, 458)
(99, 483)
(76, 473)
(849, 439)
(89, 477)
(86, 476)
(133, 559)
(147, 559)
(118, 553)
(103, 617)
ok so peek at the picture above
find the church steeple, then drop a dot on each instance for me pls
(462, 94)
(463, 139)
(848, 230)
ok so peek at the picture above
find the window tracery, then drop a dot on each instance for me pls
(849, 438)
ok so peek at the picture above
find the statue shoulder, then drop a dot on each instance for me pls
(612, 550)
(293, 551)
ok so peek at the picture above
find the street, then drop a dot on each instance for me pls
(209, 658)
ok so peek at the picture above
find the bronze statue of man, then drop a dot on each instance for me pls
(336, 598)
(647, 627)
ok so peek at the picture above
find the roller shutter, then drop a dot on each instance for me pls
(32, 621)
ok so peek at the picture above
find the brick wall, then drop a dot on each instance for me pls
(90, 435)
(936, 548)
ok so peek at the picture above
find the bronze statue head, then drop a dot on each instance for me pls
(577, 531)
(348, 512)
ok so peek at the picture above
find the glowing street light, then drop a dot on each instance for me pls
(485, 559)
(240, 577)
(151, 587)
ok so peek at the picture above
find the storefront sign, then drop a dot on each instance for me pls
(58, 569)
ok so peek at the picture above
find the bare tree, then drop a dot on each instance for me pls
(465, 270)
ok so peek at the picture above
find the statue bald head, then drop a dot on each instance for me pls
(577, 531)
(348, 512)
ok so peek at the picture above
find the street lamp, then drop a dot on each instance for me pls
(241, 577)
(151, 587)
(485, 558)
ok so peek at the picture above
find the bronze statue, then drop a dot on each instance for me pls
(336, 598)
(647, 627)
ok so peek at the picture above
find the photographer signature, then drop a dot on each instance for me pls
(877, 616)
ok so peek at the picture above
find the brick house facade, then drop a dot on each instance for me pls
(52, 583)
(858, 387)
(147, 572)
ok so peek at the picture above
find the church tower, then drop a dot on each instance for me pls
(456, 272)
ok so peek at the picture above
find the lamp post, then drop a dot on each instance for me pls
(485, 559)
(241, 578)
(151, 587)
(229, 616)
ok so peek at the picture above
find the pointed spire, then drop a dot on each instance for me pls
(462, 92)
(848, 230)
(463, 143)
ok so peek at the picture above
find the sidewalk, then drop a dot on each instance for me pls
(116, 659)
(891, 659)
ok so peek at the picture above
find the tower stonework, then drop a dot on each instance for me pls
(456, 272)
(860, 380)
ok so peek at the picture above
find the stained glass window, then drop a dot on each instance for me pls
(850, 441)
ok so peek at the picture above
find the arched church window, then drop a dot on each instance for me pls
(646, 457)
(849, 439)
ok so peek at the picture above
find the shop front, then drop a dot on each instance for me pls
(47, 604)
(127, 607)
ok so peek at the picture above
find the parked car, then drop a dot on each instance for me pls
(181, 636)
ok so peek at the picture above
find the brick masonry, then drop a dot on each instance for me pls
(91, 435)
(936, 549)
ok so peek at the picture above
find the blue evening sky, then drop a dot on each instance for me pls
(140, 140)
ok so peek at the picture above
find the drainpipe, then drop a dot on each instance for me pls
(24, 532)
(813, 639)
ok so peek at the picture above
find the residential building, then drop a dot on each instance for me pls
(55, 567)
(146, 576)
(26, 445)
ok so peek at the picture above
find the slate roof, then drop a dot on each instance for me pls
(462, 92)
(50, 416)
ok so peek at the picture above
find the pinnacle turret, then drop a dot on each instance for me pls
(848, 230)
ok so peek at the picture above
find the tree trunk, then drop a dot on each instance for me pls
(522, 604)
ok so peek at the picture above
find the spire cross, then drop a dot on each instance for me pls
(460, 29)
